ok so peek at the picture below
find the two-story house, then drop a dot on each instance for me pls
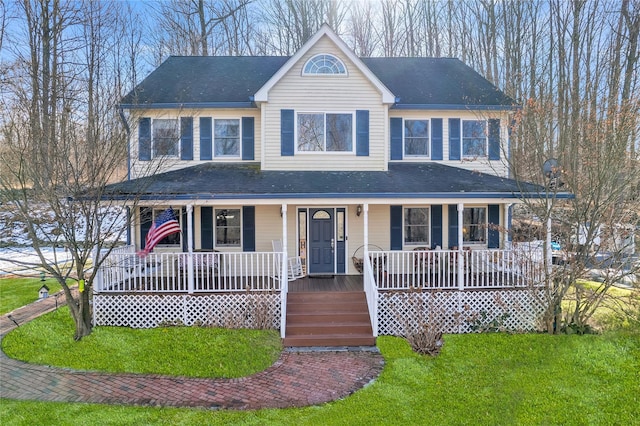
(388, 167)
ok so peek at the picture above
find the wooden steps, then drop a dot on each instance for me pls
(328, 319)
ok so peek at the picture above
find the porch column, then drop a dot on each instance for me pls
(190, 277)
(365, 209)
(284, 280)
(461, 276)
(285, 249)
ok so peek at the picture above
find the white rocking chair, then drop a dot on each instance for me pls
(295, 263)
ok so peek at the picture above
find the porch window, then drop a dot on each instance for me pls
(416, 226)
(226, 140)
(172, 240)
(325, 132)
(416, 138)
(474, 225)
(474, 138)
(324, 64)
(228, 228)
(166, 137)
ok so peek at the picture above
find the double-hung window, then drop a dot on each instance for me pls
(226, 138)
(325, 132)
(166, 137)
(474, 138)
(474, 225)
(416, 226)
(416, 138)
(228, 226)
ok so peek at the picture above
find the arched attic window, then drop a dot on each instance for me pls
(324, 64)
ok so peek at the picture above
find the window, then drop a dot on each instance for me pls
(228, 227)
(165, 137)
(325, 132)
(474, 138)
(173, 239)
(226, 140)
(416, 138)
(474, 225)
(416, 226)
(324, 64)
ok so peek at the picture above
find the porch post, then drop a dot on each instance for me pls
(461, 276)
(284, 280)
(190, 277)
(365, 209)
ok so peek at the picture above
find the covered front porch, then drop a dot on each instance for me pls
(252, 289)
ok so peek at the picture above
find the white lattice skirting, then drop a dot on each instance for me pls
(459, 311)
(235, 310)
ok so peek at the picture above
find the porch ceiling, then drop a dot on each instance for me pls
(248, 181)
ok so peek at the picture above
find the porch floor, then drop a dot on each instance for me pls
(328, 283)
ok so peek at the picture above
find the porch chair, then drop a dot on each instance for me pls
(295, 263)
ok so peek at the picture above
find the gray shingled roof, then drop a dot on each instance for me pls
(242, 181)
(233, 80)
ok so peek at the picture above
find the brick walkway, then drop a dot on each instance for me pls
(297, 379)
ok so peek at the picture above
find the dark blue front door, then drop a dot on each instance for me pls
(321, 241)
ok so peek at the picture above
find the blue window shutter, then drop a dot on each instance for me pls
(205, 140)
(248, 138)
(186, 138)
(144, 139)
(436, 226)
(453, 226)
(396, 138)
(206, 228)
(454, 139)
(249, 228)
(146, 218)
(493, 215)
(287, 127)
(436, 138)
(362, 133)
(494, 139)
(396, 227)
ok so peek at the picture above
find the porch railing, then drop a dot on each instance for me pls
(456, 269)
(190, 272)
(371, 292)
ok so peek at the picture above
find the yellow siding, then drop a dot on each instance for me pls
(325, 94)
(496, 167)
(145, 168)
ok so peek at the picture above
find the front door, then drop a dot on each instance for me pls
(321, 241)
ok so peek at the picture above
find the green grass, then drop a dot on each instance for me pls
(179, 351)
(17, 292)
(485, 379)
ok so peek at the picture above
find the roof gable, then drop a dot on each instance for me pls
(262, 95)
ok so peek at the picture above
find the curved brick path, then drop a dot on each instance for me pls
(296, 379)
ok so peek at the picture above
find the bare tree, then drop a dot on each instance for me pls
(63, 142)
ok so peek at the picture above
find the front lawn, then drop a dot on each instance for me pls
(17, 292)
(492, 379)
(179, 351)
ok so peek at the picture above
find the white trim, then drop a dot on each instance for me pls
(340, 61)
(324, 114)
(262, 95)
(213, 139)
(414, 245)
(404, 145)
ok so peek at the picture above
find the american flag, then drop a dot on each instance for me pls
(164, 225)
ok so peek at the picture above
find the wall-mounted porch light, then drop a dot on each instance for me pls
(359, 210)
